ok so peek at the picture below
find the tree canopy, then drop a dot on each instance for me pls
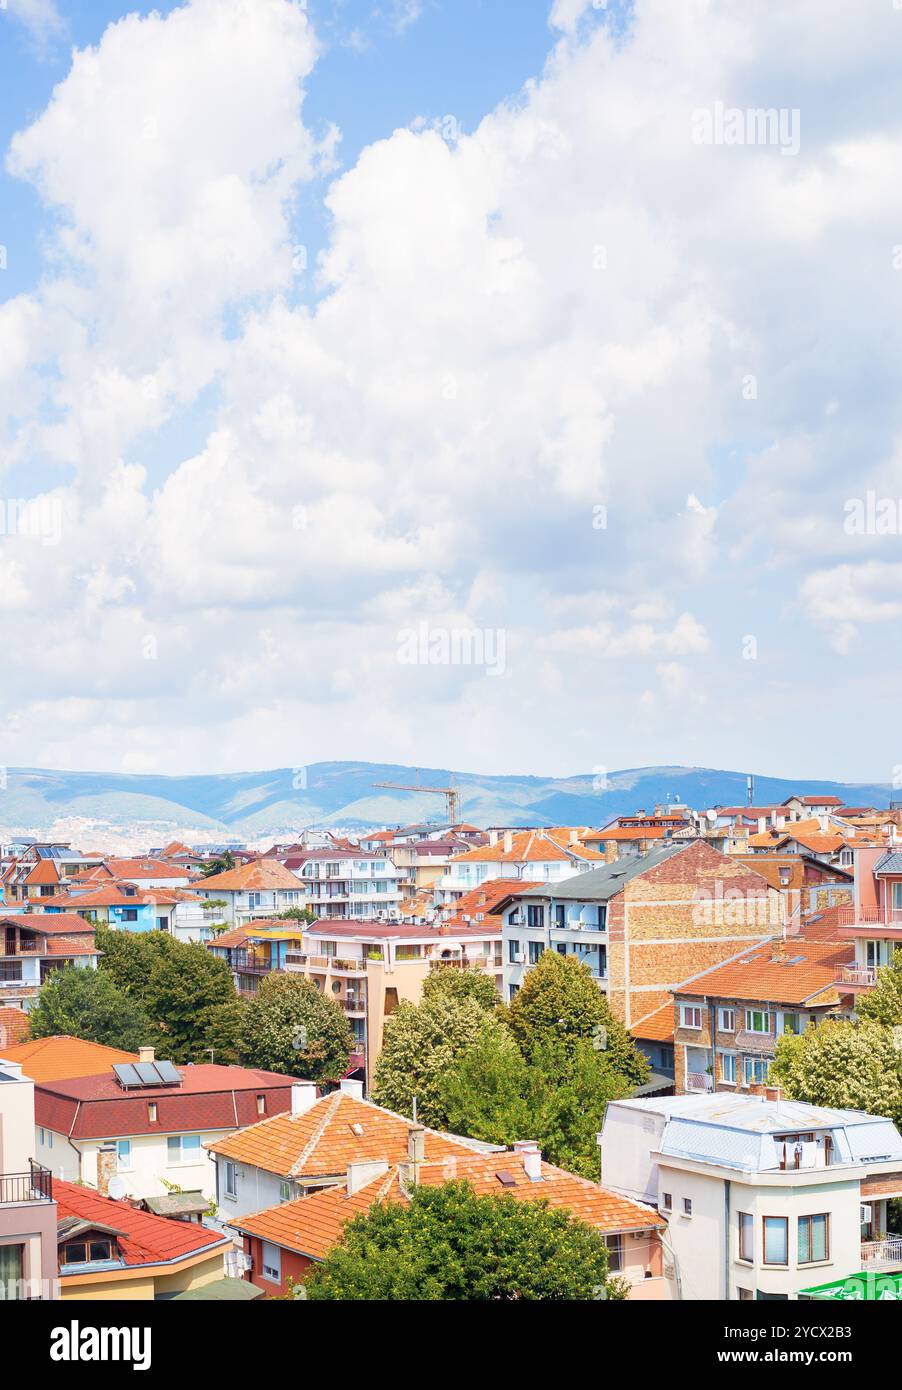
(85, 1003)
(290, 1026)
(449, 1243)
(449, 980)
(883, 1003)
(854, 1066)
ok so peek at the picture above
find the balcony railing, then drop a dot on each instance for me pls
(854, 976)
(699, 1081)
(882, 1254)
(34, 1186)
(353, 1006)
(881, 916)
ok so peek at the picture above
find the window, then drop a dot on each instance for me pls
(745, 1294)
(728, 1068)
(534, 917)
(814, 1239)
(560, 919)
(746, 1235)
(183, 1148)
(754, 1070)
(513, 950)
(690, 1016)
(285, 1192)
(726, 1020)
(535, 951)
(666, 1201)
(792, 1023)
(512, 990)
(615, 1253)
(152, 1111)
(687, 1206)
(272, 1262)
(261, 1105)
(123, 1154)
(757, 1021)
(231, 1180)
(129, 914)
(776, 1240)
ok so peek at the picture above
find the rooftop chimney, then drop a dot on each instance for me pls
(574, 837)
(303, 1095)
(493, 837)
(778, 951)
(365, 1171)
(508, 842)
(107, 1165)
(762, 825)
(822, 822)
(416, 1136)
(354, 1089)
(529, 1151)
(146, 1054)
(773, 1093)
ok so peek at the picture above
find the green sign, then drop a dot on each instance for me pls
(867, 1287)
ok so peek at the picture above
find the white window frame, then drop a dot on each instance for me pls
(272, 1272)
(728, 1058)
(722, 1015)
(694, 1010)
(230, 1189)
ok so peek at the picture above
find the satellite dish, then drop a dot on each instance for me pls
(118, 1188)
(711, 816)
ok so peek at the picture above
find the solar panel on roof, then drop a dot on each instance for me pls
(168, 1074)
(126, 1074)
(148, 1073)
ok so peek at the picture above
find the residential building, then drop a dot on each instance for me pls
(147, 873)
(257, 949)
(112, 1250)
(642, 924)
(42, 870)
(873, 922)
(637, 834)
(313, 1145)
(153, 1133)
(654, 1039)
(347, 883)
(546, 855)
(729, 1018)
(27, 1206)
(808, 884)
(260, 888)
(764, 1197)
(285, 1241)
(34, 945)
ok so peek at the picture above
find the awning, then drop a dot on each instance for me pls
(178, 1204)
(867, 1287)
(221, 1291)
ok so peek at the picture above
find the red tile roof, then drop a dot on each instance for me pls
(796, 971)
(13, 1027)
(258, 874)
(146, 1239)
(531, 847)
(62, 1058)
(210, 1098)
(311, 1225)
(488, 895)
(656, 1027)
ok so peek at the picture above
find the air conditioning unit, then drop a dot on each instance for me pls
(865, 1214)
(519, 957)
(516, 919)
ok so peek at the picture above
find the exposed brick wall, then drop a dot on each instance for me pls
(702, 906)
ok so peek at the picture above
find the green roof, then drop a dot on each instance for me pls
(868, 1287)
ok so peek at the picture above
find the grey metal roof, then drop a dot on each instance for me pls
(598, 885)
(889, 863)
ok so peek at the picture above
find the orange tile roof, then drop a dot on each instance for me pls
(530, 846)
(259, 873)
(63, 1058)
(630, 832)
(145, 1239)
(44, 873)
(312, 1225)
(807, 969)
(488, 895)
(325, 1139)
(656, 1027)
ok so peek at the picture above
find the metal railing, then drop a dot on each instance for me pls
(34, 1186)
(882, 1254)
(855, 975)
(699, 1081)
(882, 915)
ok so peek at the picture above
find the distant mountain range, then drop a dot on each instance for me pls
(252, 804)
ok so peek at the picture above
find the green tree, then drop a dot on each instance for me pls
(421, 1042)
(87, 1004)
(290, 1027)
(221, 1028)
(449, 980)
(884, 1003)
(296, 914)
(560, 1003)
(449, 1243)
(557, 1097)
(847, 1065)
(222, 864)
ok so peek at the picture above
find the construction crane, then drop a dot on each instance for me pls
(451, 794)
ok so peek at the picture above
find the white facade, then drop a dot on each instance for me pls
(143, 1160)
(346, 885)
(763, 1196)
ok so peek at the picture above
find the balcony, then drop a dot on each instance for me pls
(855, 977)
(882, 1254)
(34, 1186)
(246, 963)
(699, 1081)
(881, 916)
(356, 1007)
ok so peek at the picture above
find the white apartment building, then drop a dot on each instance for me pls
(347, 883)
(764, 1197)
(546, 856)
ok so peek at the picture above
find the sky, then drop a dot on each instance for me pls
(504, 385)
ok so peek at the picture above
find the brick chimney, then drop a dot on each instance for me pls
(773, 1093)
(106, 1168)
(778, 952)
